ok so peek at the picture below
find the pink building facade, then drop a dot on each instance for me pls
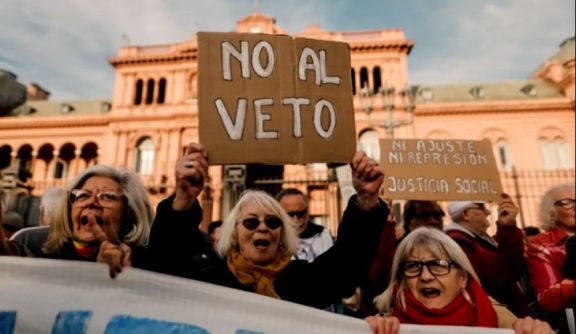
(153, 115)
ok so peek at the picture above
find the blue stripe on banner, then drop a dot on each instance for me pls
(7, 322)
(72, 322)
(123, 324)
(245, 331)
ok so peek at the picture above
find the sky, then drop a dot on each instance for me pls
(64, 45)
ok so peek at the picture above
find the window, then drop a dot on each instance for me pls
(353, 75)
(369, 143)
(363, 77)
(138, 95)
(562, 153)
(61, 169)
(503, 154)
(161, 90)
(377, 79)
(145, 157)
(150, 91)
(555, 153)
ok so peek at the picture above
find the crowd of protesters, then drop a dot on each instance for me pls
(431, 273)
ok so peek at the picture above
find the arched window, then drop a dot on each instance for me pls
(562, 153)
(89, 153)
(24, 157)
(145, 157)
(138, 95)
(503, 154)
(363, 77)
(353, 74)
(66, 155)
(5, 156)
(150, 91)
(377, 79)
(547, 153)
(370, 143)
(161, 91)
(555, 153)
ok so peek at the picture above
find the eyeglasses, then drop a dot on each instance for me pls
(106, 198)
(271, 222)
(566, 203)
(298, 214)
(435, 267)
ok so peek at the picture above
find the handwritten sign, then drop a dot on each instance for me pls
(61, 297)
(274, 99)
(426, 169)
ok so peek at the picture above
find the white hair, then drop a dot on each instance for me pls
(49, 203)
(439, 244)
(228, 240)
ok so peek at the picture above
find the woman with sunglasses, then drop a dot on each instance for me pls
(433, 283)
(105, 216)
(547, 254)
(258, 239)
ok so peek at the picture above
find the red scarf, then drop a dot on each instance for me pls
(458, 313)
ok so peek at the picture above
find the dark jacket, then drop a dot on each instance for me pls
(499, 265)
(333, 275)
(176, 245)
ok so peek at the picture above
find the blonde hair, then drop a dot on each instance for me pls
(135, 228)
(228, 240)
(439, 244)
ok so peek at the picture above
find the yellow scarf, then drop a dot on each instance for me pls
(261, 278)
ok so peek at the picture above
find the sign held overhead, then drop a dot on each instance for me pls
(274, 99)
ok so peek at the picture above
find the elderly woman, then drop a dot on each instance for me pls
(105, 217)
(433, 283)
(258, 239)
(547, 253)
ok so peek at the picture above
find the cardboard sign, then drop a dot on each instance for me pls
(424, 169)
(61, 297)
(274, 99)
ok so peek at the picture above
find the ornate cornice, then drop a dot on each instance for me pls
(192, 55)
(493, 108)
(379, 46)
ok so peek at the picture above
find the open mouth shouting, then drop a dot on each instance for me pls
(430, 292)
(261, 244)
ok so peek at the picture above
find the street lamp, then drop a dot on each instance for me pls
(366, 101)
(388, 96)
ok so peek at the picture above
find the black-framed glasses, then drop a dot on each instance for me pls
(271, 222)
(566, 203)
(436, 267)
(298, 214)
(106, 198)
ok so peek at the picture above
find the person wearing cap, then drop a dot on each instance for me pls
(499, 260)
(314, 239)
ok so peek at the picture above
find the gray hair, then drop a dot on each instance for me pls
(547, 213)
(49, 202)
(137, 216)
(439, 244)
(289, 241)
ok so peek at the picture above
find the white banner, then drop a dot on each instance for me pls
(65, 297)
